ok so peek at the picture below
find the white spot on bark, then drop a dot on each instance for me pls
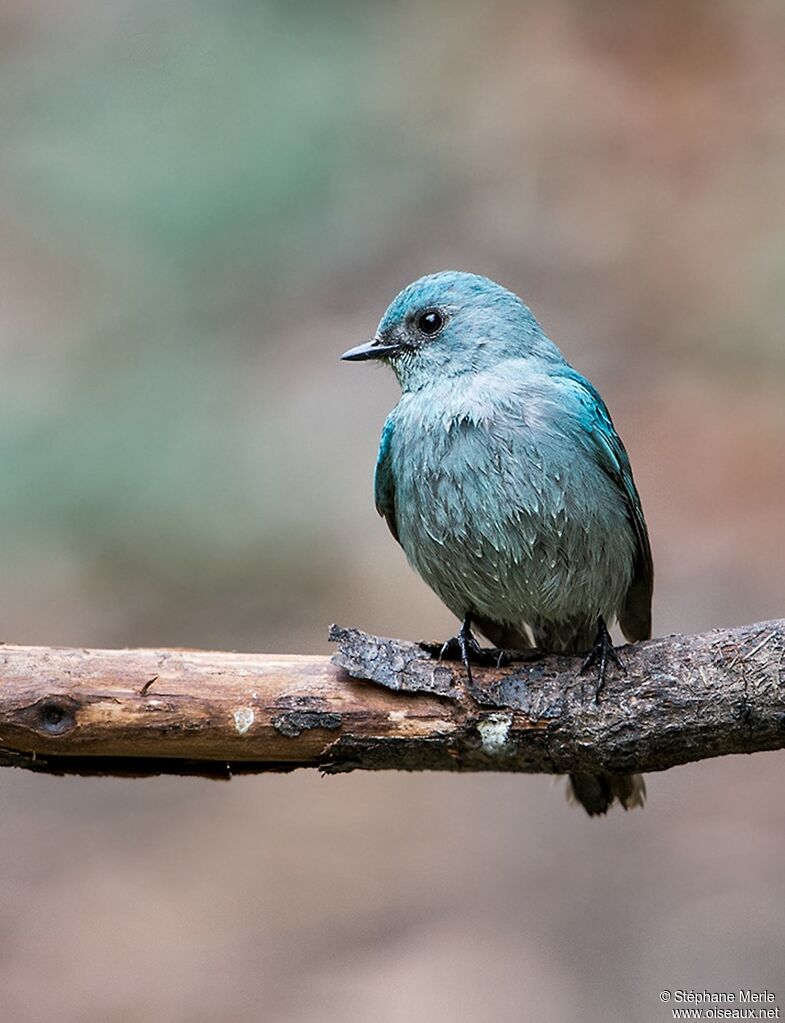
(243, 719)
(494, 733)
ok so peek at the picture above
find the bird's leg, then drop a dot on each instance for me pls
(599, 655)
(465, 646)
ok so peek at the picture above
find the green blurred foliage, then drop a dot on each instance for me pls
(202, 204)
(187, 169)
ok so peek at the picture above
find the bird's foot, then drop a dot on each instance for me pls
(465, 648)
(600, 654)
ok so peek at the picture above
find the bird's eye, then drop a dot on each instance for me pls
(430, 322)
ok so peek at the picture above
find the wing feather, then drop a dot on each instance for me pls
(635, 613)
(384, 482)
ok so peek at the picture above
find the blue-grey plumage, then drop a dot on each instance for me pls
(502, 477)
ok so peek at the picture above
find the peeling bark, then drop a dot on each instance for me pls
(386, 704)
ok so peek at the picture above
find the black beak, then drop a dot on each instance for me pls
(373, 349)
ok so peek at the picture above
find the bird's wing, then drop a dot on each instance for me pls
(384, 483)
(606, 445)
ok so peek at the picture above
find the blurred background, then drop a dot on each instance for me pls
(201, 206)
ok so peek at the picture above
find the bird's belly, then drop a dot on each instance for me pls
(514, 539)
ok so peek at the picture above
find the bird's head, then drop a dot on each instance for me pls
(451, 323)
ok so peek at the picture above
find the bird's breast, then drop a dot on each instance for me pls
(462, 476)
(497, 511)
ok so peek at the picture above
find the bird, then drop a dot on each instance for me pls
(502, 477)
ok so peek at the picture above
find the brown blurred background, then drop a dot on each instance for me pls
(201, 206)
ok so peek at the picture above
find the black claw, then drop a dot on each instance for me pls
(488, 657)
(599, 655)
(469, 646)
(502, 657)
(463, 647)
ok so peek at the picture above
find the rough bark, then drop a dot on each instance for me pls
(384, 703)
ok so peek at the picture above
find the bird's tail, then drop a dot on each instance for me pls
(597, 792)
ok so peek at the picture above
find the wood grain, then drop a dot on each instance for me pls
(384, 703)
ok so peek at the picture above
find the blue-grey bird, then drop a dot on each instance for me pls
(502, 477)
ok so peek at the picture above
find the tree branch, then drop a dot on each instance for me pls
(384, 703)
